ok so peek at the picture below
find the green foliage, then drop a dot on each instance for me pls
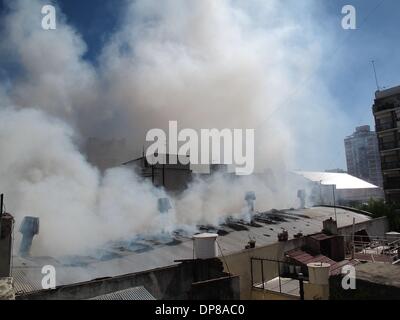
(379, 208)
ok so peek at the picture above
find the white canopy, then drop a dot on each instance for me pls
(340, 180)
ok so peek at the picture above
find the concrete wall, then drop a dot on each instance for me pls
(374, 227)
(315, 291)
(365, 290)
(239, 263)
(169, 283)
(260, 294)
(226, 288)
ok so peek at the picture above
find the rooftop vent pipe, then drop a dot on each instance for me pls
(250, 199)
(283, 236)
(29, 228)
(330, 226)
(165, 219)
(301, 194)
(164, 205)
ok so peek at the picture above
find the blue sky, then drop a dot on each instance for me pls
(351, 84)
(95, 20)
(377, 38)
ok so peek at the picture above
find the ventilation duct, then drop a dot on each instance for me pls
(250, 199)
(29, 228)
(166, 218)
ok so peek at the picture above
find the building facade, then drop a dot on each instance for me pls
(173, 176)
(386, 111)
(362, 155)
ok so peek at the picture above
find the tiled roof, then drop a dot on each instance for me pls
(305, 258)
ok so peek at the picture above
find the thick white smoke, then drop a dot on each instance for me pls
(44, 175)
(206, 64)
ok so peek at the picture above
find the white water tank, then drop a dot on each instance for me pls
(319, 272)
(205, 245)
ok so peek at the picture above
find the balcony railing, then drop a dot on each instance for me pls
(280, 277)
(391, 165)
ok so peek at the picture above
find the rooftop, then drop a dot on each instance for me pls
(304, 258)
(380, 273)
(141, 254)
(387, 92)
(282, 285)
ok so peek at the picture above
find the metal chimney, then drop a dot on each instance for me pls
(164, 205)
(250, 199)
(301, 194)
(29, 228)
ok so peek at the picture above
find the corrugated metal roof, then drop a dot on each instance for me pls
(137, 293)
(25, 283)
(340, 180)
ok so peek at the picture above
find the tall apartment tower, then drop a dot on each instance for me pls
(386, 111)
(362, 155)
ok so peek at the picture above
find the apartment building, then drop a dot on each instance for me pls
(386, 111)
(362, 155)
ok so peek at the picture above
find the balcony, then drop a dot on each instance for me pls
(389, 145)
(386, 126)
(386, 106)
(391, 165)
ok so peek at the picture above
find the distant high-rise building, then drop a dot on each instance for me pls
(362, 155)
(386, 111)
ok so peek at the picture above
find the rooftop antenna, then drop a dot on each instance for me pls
(376, 77)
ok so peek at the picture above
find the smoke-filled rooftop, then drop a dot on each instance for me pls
(143, 253)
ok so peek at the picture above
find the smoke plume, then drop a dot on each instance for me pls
(206, 64)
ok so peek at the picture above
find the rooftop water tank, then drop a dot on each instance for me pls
(205, 245)
(319, 272)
